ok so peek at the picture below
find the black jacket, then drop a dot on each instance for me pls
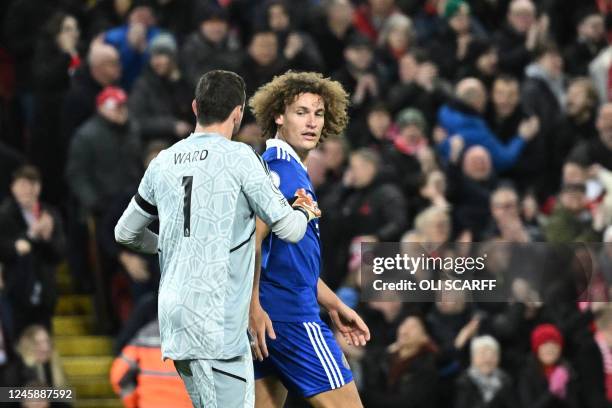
(23, 272)
(533, 389)
(158, 103)
(513, 55)
(198, 56)
(415, 388)
(467, 394)
(104, 160)
(79, 103)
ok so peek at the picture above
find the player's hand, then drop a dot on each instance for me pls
(351, 325)
(259, 325)
(306, 203)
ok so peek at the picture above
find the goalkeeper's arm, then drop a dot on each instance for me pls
(131, 229)
(292, 227)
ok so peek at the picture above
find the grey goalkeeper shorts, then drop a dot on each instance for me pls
(219, 383)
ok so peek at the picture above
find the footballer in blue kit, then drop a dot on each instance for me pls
(294, 349)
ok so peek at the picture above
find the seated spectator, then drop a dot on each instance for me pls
(591, 39)
(547, 380)
(404, 374)
(142, 378)
(507, 223)
(571, 220)
(464, 116)
(104, 155)
(37, 361)
(132, 41)
(210, 47)
(484, 384)
(161, 98)
(297, 47)
(598, 150)
(32, 244)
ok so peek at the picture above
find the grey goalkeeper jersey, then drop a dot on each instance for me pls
(207, 191)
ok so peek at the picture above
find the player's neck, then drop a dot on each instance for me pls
(302, 154)
(224, 129)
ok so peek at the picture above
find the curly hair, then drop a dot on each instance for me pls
(272, 99)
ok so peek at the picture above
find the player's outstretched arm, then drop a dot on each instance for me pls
(131, 229)
(259, 321)
(347, 321)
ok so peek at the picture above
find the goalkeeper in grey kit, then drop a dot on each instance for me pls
(207, 191)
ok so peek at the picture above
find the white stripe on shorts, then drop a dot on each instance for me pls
(321, 342)
(331, 356)
(316, 349)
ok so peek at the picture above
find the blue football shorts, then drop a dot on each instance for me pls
(305, 357)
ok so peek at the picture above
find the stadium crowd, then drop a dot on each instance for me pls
(470, 121)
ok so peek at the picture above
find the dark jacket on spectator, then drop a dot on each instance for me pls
(533, 388)
(375, 210)
(590, 368)
(79, 103)
(158, 103)
(198, 56)
(30, 279)
(51, 76)
(513, 55)
(591, 152)
(104, 160)
(467, 394)
(470, 199)
(404, 95)
(414, 384)
(579, 55)
(331, 47)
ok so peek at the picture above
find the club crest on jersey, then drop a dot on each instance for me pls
(275, 178)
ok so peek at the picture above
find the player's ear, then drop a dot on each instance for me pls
(194, 108)
(279, 120)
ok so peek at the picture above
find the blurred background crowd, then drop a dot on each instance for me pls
(470, 121)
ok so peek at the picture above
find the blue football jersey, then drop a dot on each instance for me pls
(289, 272)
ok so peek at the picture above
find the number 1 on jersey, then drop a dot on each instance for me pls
(187, 185)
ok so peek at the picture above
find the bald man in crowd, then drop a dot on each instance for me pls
(463, 117)
(103, 68)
